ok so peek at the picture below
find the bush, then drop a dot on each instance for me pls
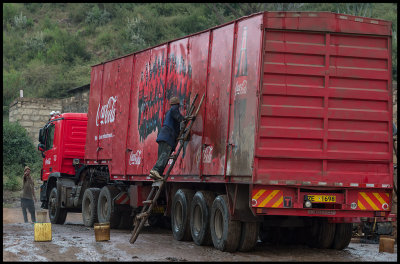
(97, 17)
(9, 12)
(18, 147)
(12, 177)
(18, 151)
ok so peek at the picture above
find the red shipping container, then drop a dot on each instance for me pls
(291, 99)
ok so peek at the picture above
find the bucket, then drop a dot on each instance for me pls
(42, 232)
(102, 231)
(41, 216)
(386, 244)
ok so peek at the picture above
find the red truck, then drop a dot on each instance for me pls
(294, 136)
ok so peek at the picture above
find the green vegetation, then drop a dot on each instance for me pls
(48, 48)
(18, 151)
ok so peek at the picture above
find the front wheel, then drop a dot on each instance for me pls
(57, 214)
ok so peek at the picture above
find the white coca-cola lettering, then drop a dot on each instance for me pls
(106, 113)
(47, 161)
(241, 88)
(207, 154)
(135, 158)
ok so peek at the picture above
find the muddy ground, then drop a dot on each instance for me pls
(75, 242)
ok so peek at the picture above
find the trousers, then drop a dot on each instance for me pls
(28, 204)
(164, 151)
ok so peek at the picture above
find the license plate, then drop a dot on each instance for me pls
(322, 198)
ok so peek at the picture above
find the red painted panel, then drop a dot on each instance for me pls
(217, 102)
(94, 100)
(244, 100)
(73, 141)
(106, 110)
(136, 129)
(150, 102)
(121, 115)
(198, 57)
(345, 110)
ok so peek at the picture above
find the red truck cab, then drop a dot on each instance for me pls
(62, 142)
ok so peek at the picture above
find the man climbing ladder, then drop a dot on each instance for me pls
(160, 181)
(167, 137)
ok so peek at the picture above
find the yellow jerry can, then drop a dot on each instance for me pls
(42, 232)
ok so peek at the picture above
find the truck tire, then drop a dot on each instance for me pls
(200, 217)
(225, 233)
(343, 235)
(180, 215)
(57, 214)
(249, 236)
(104, 207)
(89, 206)
(326, 233)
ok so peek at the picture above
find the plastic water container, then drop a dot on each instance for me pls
(42, 232)
(102, 231)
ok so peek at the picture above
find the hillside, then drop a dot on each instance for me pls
(49, 48)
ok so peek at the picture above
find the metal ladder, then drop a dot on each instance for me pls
(158, 185)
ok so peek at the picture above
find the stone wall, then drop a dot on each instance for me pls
(78, 103)
(33, 113)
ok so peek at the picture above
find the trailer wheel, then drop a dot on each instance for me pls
(180, 214)
(89, 206)
(57, 214)
(225, 233)
(200, 217)
(326, 233)
(249, 236)
(343, 235)
(104, 207)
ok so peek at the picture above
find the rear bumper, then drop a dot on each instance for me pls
(344, 204)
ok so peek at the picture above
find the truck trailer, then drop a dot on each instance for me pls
(294, 137)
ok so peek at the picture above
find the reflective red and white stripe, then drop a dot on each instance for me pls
(122, 198)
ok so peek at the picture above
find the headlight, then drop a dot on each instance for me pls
(75, 161)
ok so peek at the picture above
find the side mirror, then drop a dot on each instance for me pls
(41, 135)
(41, 147)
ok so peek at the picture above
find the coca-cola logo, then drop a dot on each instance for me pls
(241, 88)
(135, 158)
(207, 154)
(106, 113)
(47, 161)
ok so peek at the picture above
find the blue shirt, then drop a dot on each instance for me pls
(171, 126)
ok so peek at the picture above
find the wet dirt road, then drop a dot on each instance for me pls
(75, 242)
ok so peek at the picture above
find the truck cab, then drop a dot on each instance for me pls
(62, 143)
